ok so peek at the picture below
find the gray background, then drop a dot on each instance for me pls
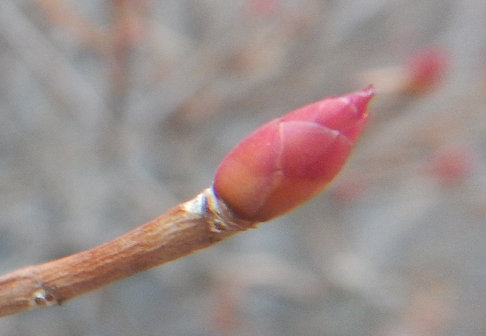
(104, 126)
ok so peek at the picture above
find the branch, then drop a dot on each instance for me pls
(189, 227)
(281, 165)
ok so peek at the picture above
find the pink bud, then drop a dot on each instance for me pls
(426, 69)
(263, 8)
(452, 164)
(288, 160)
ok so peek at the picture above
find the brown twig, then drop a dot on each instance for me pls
(191, 226)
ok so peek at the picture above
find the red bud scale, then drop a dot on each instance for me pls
(288, 160)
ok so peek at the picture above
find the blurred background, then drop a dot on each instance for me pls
(112, 112)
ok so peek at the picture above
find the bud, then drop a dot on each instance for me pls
(288, 160)
(426, 69)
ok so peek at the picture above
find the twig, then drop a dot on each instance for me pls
(189, 227)
(60, 77)
(269, 173)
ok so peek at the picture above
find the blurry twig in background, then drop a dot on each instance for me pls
(56, 72)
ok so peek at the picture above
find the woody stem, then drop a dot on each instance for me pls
(188, 227)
